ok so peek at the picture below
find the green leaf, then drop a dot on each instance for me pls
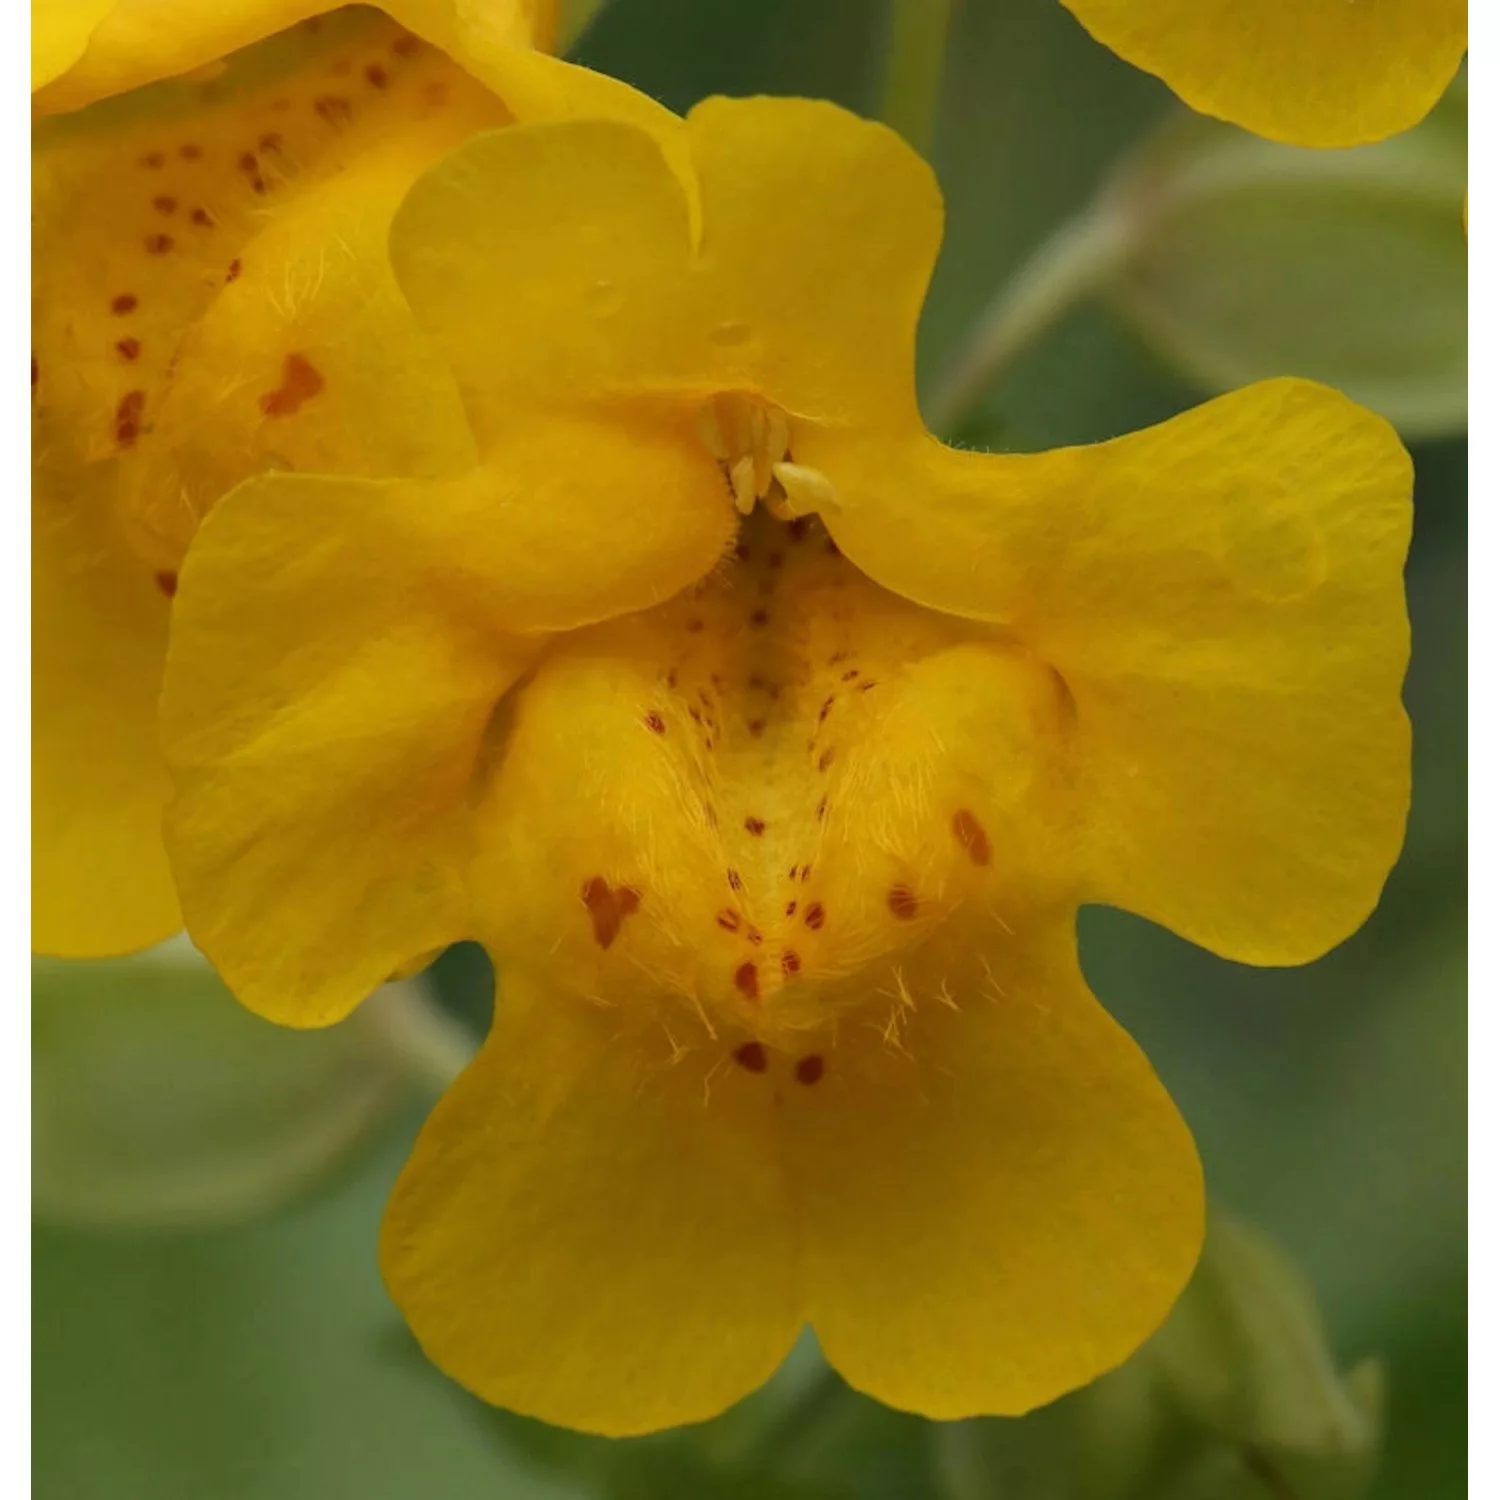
(1249, 259)
(158, 1101)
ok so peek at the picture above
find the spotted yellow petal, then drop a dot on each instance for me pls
(100, 883)
(1221, 598)
(590, 1233)
(999, 1201)
(355, 634)
(1310, 72)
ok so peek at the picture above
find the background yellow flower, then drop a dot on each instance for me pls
(1309, 72)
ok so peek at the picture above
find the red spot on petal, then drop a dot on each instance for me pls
(902, 901)
(728, 920)
(814, 915)
(167, 583)
(128, 417)
(608, 908)
(126, 302)
(757, 727)
(865, 687)
(969, 832)
(35, 371)
(791, 906)
(757, 826)
(247, 162)
(751, 1056)
(809, 1069)
(735, 883)
(154, 160)
(822, 808)
(164, 203)
(331, 107)
(758, 617)
(159, 244)
(203, 218)
(825, 760)
(694, 626)
(405, 45)
(300, 382)
(190, 152)
(233, 273)
(826, 709)
(655, 723)
(752, 935)
(128, 349)
(270, 141)
(376, 76)
(791, 963)
(806, 871)
(797, 528)
(747, 980)
(850, 675)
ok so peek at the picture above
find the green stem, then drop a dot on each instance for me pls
(1068, 267)
(916, 52)
(429, 1045)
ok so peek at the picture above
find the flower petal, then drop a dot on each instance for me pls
(589, 1235)
(1312, 74)
(1002, 1205)
(94, 50)
(571, 246)
(100, 883)
(1222, 596)
(325, 701)
(820, 232)
(212, 291)
(60, 31)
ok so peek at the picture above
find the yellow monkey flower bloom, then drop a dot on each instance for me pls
(1309, 72)
(212, 299)
(770, 747)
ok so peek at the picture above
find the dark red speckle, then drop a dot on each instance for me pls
(751, 1057)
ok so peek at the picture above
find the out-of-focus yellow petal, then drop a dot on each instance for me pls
(1222, 598)
(571, 246)
(212, 295)
(100, 883)
(60, 30)
(91, 49)
(326, 699)
(1311, 72)
(591, 1233)
(999, 1201)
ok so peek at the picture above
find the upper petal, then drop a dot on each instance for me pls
(1314, 74)
(589, 1231)
(576, 248)
(1222, 597)
(999, 1200)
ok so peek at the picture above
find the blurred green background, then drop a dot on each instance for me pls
(241, 1360)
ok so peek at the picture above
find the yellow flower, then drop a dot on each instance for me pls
(1310, 72)
(212, 299)
(770, 747)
